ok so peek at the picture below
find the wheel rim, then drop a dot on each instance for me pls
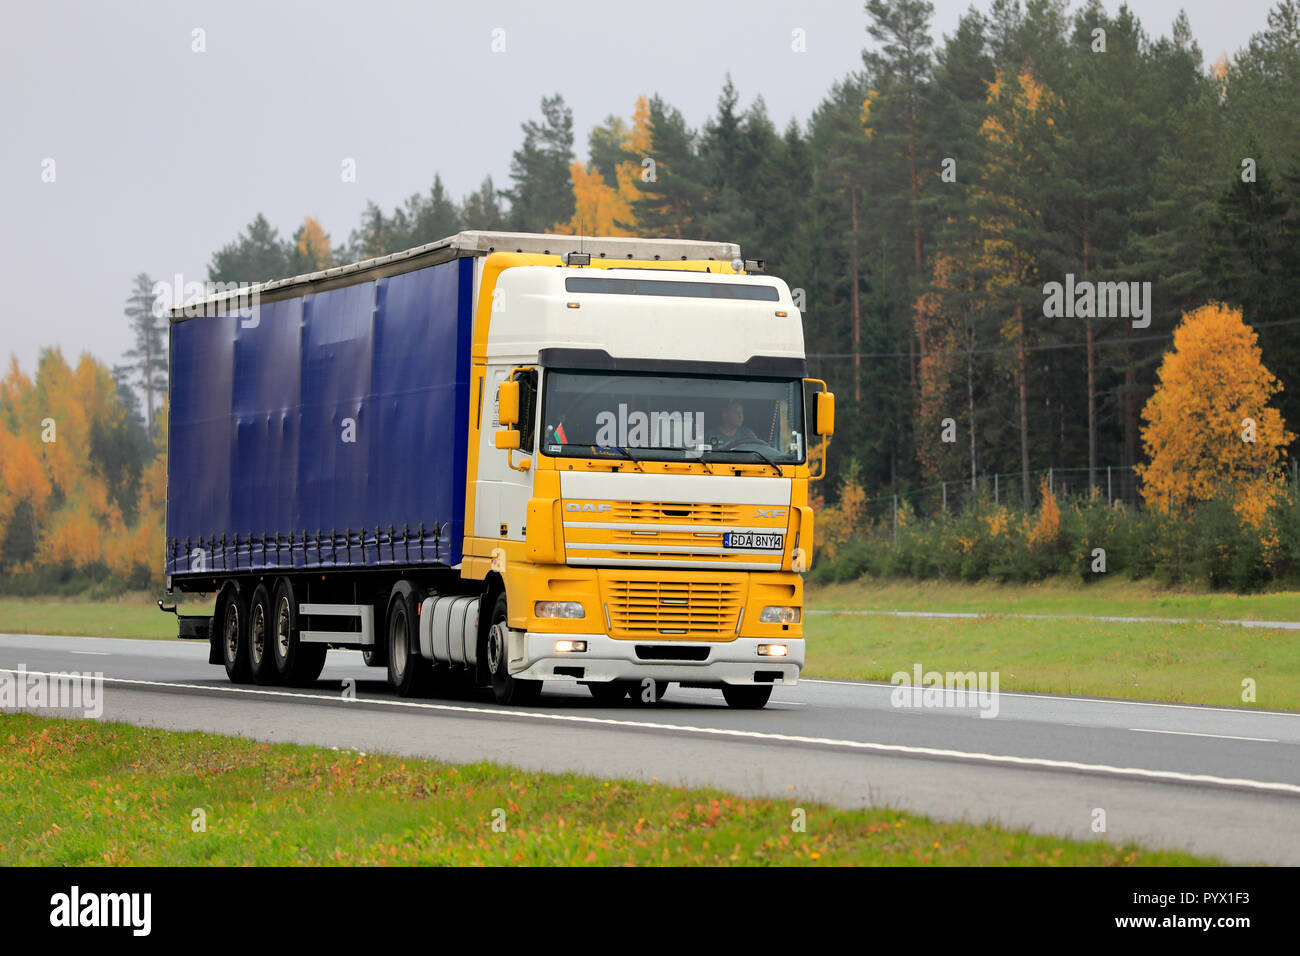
(232, 633)
(257, 633)
(282, 628)
(494, 649)
(398, 653)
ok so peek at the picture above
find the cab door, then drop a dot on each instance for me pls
(501, 492)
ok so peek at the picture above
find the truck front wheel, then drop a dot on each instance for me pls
(746, 696)
(508, 690)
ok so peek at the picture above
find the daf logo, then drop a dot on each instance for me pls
(771, 512)
(585, 506)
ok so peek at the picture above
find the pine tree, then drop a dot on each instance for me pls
(482, 208)
(432, 217)
(542, 195)
(256, 255)
(673, 196)
(148, 357)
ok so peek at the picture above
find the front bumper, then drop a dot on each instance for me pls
(533, 657)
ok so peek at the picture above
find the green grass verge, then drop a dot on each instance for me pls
(76, 793)
(131, 615)
(1114, 596)
(1200, 663)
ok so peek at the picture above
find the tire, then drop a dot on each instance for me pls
(297, 663)
(508, 690)
(261, 656)
(376, 656)
(234, 636)
(408, 672)
(746, 696)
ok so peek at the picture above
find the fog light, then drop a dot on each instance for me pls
(558, 609)
(773, 650)
(570, 647)
(779, 614)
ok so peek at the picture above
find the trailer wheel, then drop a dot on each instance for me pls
(746, 696)
(234, 636)
(508, 690)
(408, 672)
(298, 663)
(261, 658)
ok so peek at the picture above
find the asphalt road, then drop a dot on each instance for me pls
(1218, 781)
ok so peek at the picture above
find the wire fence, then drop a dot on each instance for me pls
(1112, 483)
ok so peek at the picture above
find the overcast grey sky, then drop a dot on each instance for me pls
(163, 154)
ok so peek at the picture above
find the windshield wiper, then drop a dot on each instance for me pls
(635, 460)
(766, 460)
(744, 451)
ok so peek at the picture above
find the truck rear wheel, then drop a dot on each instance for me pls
(234, 636)
(261, 658)
(746, 696)
(508, 690)
(408, 672)
(298, 663)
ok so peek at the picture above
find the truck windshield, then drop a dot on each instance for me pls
(659, 417)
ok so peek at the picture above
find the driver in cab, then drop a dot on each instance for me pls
(733, 430)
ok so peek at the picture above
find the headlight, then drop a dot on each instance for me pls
(570, 647)
(558, 609)
(773, 650)
(779, 614)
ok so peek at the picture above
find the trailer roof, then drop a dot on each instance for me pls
(469, 243)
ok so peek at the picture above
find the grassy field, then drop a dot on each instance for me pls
(1114, 596)
(130, 615)
(76, 793)
(1201, 662)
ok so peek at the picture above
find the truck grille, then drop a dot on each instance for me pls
(674, 511)
(673, 609)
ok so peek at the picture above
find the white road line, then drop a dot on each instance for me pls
(1140, 773)
(1188, 733)
(1029, 695)
(1114, 701)
(973, 615)
(95, 653)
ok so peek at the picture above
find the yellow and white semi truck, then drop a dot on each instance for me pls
(506, 459)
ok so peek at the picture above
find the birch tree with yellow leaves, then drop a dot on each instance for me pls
(1209, 430)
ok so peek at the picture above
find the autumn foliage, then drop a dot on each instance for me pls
(1209, 429)
(71, 501)
(602, 208)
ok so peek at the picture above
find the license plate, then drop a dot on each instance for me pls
(753, 541)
